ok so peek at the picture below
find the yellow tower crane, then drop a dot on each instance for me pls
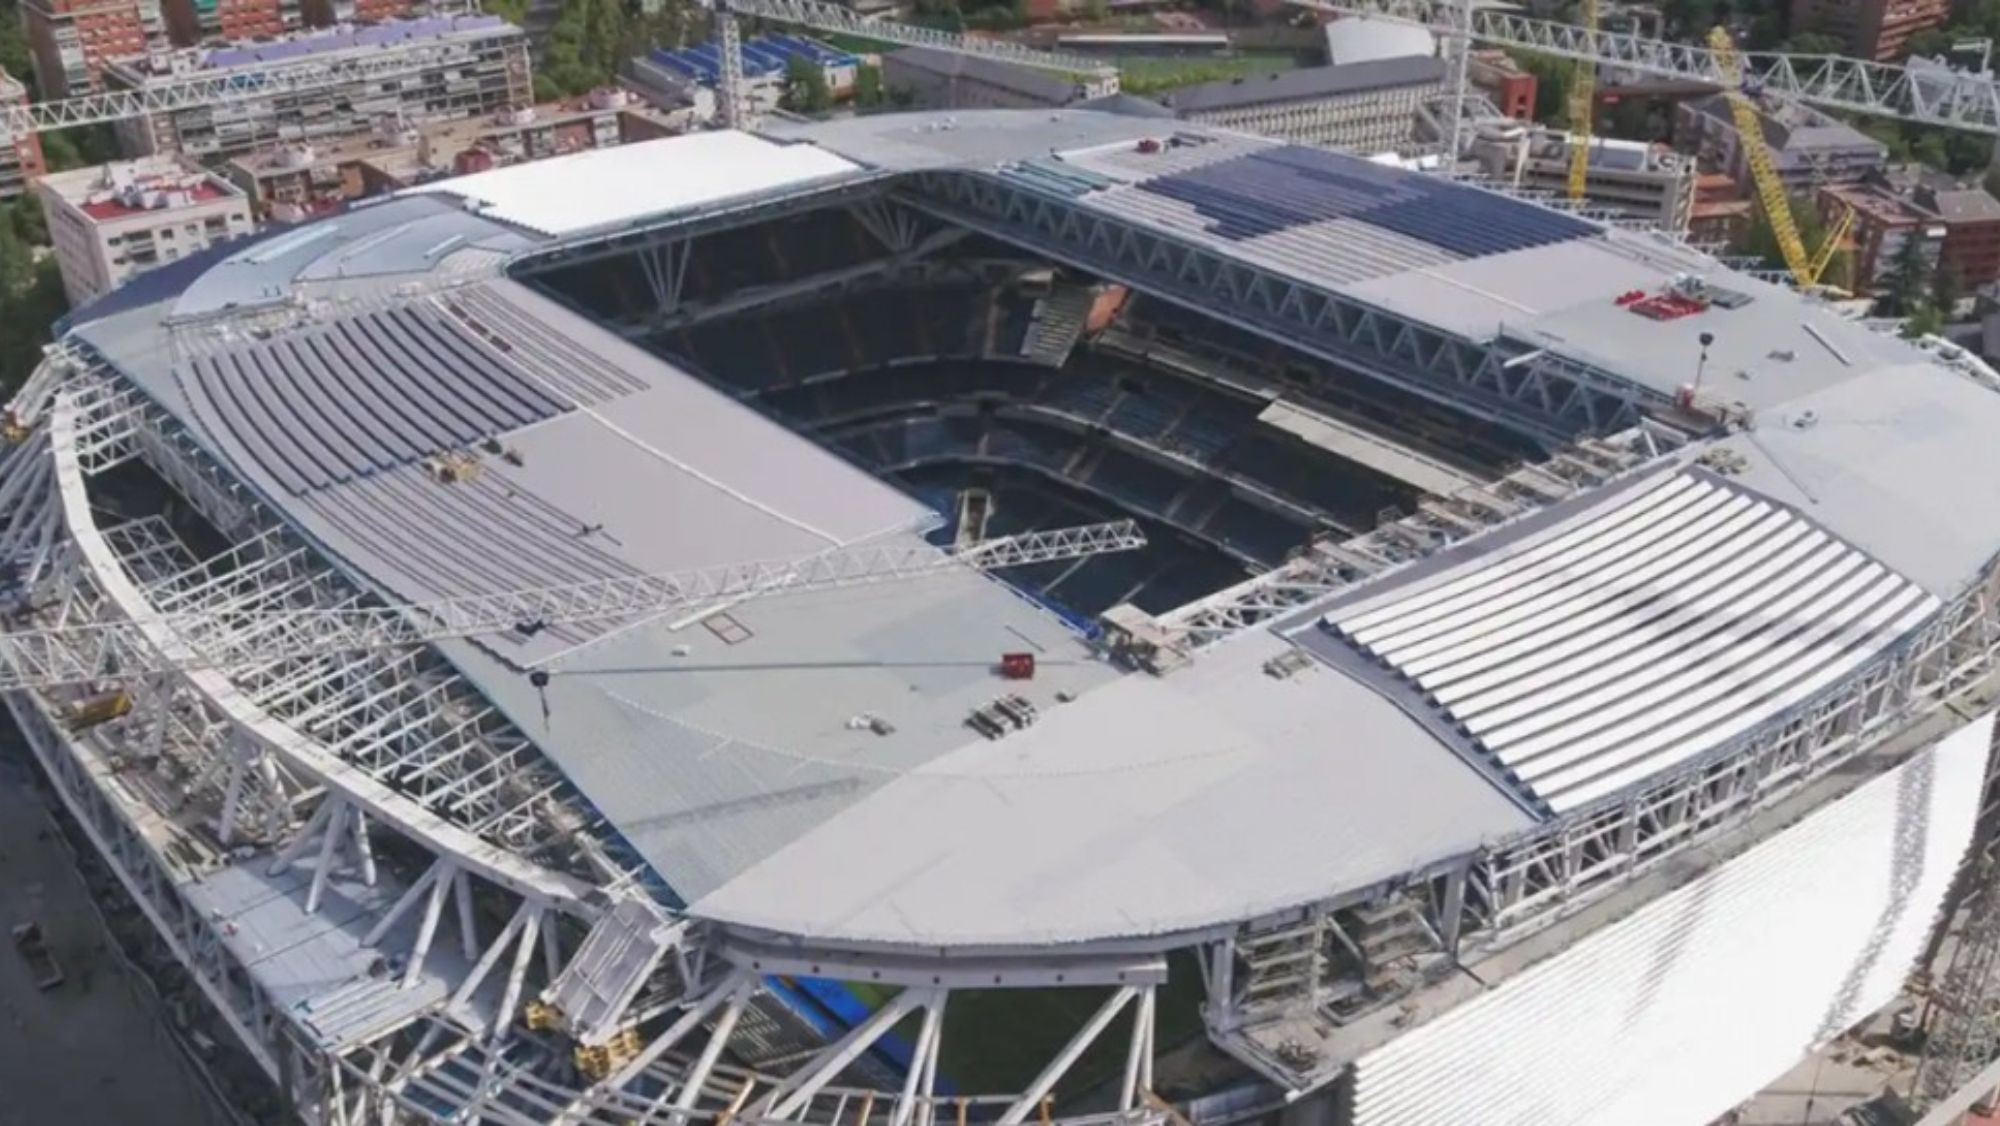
(1582, 98)
(1806, 267)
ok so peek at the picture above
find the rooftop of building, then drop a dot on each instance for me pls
(349, 39)
(1882, 203)
(1794, 128)
(122, 189)
(1307, 84)
(1136, 805)
(1041, 85)
(763, 55)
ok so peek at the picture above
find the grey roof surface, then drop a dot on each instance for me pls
(739, 759)
(1025, 80)
(1964, 205)
(1150, 806)
(1306, 84)
(1796, 130)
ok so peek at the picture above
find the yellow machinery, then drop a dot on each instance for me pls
(1582, 96)
(1806, 268)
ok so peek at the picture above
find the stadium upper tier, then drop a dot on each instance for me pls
(804, 765)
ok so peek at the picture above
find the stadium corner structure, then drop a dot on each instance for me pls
(1551, 653)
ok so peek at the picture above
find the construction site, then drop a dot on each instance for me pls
(963, 618)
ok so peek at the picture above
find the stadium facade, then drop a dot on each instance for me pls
(1553, 654)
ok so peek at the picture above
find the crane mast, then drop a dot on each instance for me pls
(1582, 103)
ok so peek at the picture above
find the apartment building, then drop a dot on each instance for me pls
(1369, 107)
(294, 182)
(1808, 147)
(1971, 219)
(202, 21)
(420, 71)
(1885, 221)
(327, 13)
(1870, 29)
(20, 155)
(110, 223)
(73, 40)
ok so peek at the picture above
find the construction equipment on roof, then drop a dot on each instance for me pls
(1805, 267)
(1582, 99)
(117, 650)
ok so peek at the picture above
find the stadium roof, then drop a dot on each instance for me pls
(1306, 84)
(1137, 805)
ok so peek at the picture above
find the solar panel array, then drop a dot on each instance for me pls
(364, 395)
(1288, 186)
(1682, 615)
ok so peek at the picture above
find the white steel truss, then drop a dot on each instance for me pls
(1528, 388)
(1953, 99)
(115, 105)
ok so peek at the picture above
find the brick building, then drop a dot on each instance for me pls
(1971, 231)
(1870, 29)
(1497, 74)
(73, 40)
(1885, 220)
(200, 21)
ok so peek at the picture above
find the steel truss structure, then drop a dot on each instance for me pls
(1954, 99)
(534, 973)
(116, 105)
(839, 20)
(1526, 387)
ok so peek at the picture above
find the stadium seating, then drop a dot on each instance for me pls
(363, 395)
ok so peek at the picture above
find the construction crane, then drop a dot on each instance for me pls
(1806, 267)
(1952, 100)
(1582, 99)
(113, 651)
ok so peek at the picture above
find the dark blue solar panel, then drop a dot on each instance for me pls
(1290, 186)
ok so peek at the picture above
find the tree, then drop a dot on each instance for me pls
(868, 87)
(1761, 240)
(805, 88)
(1907, 283)
(1924, 320)
(1553, 78)
(1815, 43)
(1946, 290)
(1931, 43)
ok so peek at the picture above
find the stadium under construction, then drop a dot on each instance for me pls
(962, 619)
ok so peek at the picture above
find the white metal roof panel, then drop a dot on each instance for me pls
(1149, 806)
(566, 194)
(1676, 1013)
(1638, 635)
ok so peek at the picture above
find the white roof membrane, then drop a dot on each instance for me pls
(1640, 635)
(1678, 1012)
(616, 185)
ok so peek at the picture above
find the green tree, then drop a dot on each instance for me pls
(1924, 320)
(1553, 78)
(1815, 43)
(1908, 282)
(805, 88)
(1760, 240)
(1931, 43)
(1946, 291)
(868, 87)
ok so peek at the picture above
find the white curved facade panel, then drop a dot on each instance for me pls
(1680, 1011)
(1657, 627)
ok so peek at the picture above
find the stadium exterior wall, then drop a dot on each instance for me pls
(1733, 977)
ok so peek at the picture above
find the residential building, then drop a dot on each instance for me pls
(73, 40)
(1648, 183)
(1885, 221)
(1808, 148)
(21, 154)
(1870, 29)
(326, 13)
(293, 182)
(1971, 230)
(1722, 211)
(1501, 78)
(1369, 107)
(456, 67)
(935, 79)
(112, 222)
(201, 21)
